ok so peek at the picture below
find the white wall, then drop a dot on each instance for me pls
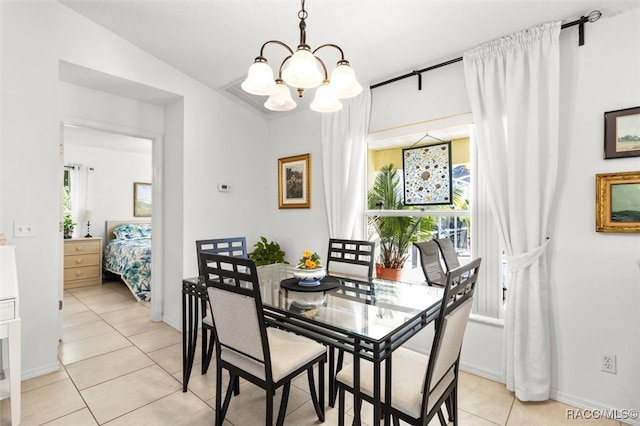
(110, 183)
(595, 291)
(595, 280)
(207, 138)
(297, 230)
(443, 95)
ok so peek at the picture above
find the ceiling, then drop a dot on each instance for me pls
(215, 41)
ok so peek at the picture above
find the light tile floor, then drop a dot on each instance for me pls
(119, 368)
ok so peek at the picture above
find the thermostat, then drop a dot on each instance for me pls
(223, 187)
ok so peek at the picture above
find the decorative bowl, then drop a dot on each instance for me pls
(309, 277)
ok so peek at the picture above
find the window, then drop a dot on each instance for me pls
(468, 223)
(66, 194)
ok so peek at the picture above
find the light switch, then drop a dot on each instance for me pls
(23, 229)
(223, 187)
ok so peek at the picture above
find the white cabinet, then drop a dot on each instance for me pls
(10, 327)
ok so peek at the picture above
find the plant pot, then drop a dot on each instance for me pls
(392, 274)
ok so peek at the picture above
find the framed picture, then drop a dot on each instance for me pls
(618, 202)
(622, 133)
(427, 175)
(141, 199)
(294, 182)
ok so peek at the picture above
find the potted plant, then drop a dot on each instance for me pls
(68, 226)
(396, 233)
(267, 252)
(309, 270)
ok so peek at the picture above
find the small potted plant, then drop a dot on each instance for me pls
(309, 270)
(266, 253)
(68, 226)
(396, 233)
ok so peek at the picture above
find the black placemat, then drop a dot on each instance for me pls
(327, 283)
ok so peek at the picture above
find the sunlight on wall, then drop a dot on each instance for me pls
(378, 159)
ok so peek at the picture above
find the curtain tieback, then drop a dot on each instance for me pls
(523, 260)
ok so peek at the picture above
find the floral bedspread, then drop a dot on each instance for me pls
(131, 259)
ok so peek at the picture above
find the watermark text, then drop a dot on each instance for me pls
(605, 413)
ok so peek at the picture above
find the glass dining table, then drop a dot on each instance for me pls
(368, 319)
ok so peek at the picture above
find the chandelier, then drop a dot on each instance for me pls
(304, 70)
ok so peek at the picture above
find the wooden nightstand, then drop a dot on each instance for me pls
(82, 262)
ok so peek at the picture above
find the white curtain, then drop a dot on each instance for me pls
(513, 86)
(79, 195)
(344, 152)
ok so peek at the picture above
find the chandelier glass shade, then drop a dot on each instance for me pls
(302, 69)
(280, 100)
(325, 100)
(259, 80)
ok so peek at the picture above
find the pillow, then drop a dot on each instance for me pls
(133, 231)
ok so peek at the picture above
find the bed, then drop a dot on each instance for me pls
(127, 254)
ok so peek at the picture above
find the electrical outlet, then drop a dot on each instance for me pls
(608, 363)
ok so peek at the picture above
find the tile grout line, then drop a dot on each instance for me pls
(143, 352)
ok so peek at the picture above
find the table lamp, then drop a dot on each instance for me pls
(87, 217)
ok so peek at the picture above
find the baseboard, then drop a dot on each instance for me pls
(491, 375)
(170, 321)
(44, 369)
(588, 410)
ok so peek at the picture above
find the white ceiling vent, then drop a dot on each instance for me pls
(257, 102)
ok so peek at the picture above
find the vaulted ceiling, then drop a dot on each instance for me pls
(215, 41)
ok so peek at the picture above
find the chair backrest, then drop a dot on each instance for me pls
(233, 246)
(430, 262)
(236, 308)
(450, 326)
(449, 253)
(351, 258)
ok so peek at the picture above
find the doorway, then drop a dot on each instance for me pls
(114, 162)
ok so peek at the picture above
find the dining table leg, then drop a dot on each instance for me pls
(189, 335)
(387, 390)
(332, 377)
(357, 399)
(377, 402)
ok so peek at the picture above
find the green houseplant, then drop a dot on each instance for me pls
(68, 226)
(267, 252)
(396, 233)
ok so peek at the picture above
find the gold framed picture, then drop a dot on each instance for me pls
(141, 199)
(618, 202)
(294, 182)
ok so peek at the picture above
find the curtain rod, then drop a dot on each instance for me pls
(591, 17)
(73, 167)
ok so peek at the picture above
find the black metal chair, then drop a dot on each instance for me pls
(431, 263)
(352, 259)
(265, 356)
(420, 383)
(233, 246)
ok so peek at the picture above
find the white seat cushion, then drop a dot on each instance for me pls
(288, 352)
(409, 370)
(207, 319)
